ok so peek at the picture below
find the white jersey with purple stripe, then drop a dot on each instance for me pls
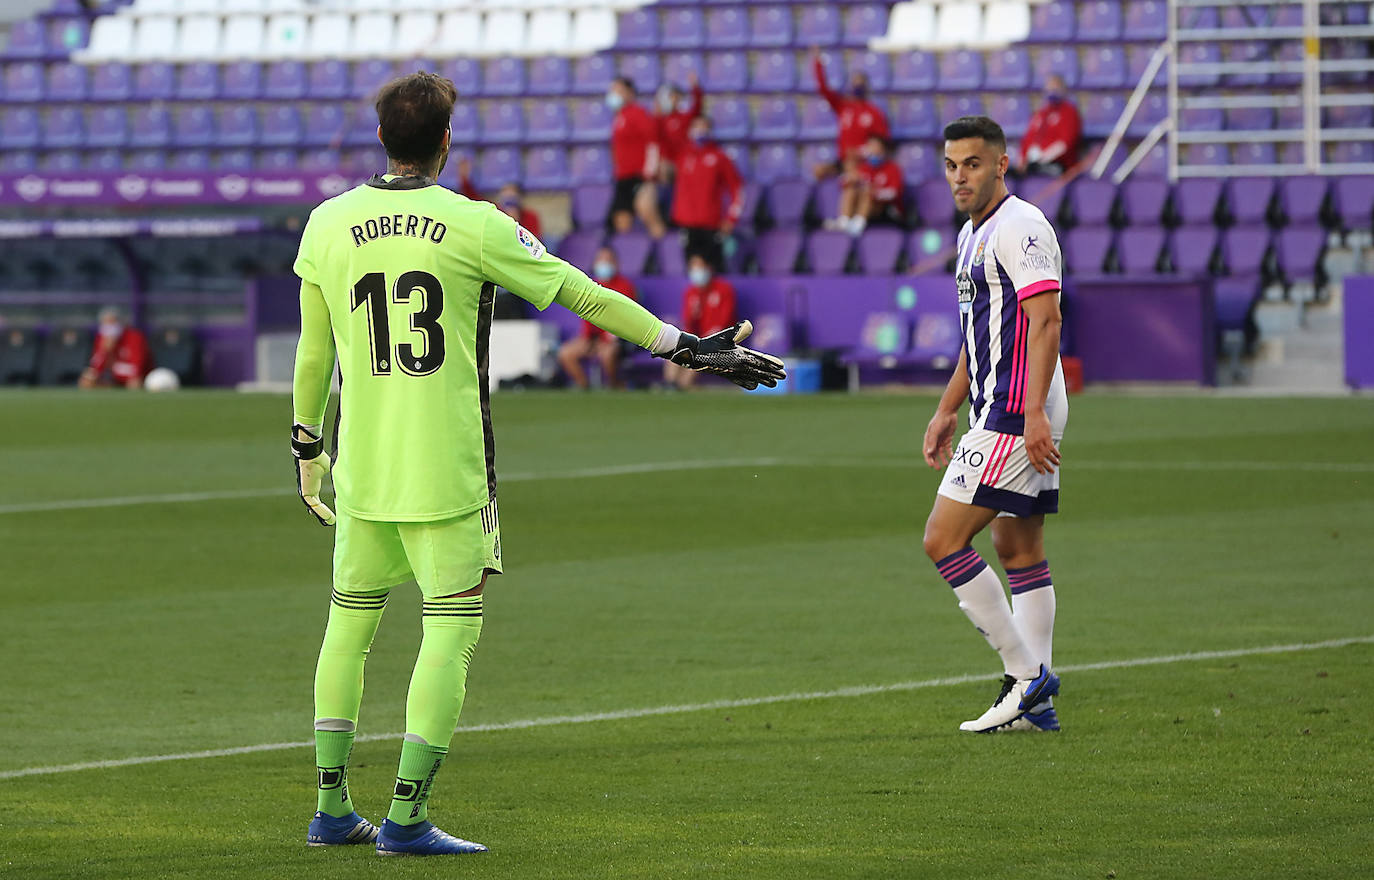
(1013, 254)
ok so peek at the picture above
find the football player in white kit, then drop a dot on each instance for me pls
(1004, 470)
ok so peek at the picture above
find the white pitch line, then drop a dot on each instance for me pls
(698, 465)
(680, 709)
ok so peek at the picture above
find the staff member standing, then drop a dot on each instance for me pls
(859, 118)
(634, 159)
(706, 179)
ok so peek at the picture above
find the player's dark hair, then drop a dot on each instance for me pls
(977, 127)
(414, 112)
(627, 83)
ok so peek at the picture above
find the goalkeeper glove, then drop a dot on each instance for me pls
(721, 354)
(312, 464)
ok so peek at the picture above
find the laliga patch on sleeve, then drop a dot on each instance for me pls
(529, 242)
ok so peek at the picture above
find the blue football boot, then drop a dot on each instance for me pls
(421, 839)
(327, 830)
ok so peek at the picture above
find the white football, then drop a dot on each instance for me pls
(162, 379)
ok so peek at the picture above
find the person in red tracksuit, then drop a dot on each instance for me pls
(872, 193)
(634, 158)
(120, 356)
(859, 118)
(674, 121)
(706, 180)
(1055, 133)
(592, 341)
(708, 305)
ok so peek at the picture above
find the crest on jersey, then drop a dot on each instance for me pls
(529, 242)
(978, 252)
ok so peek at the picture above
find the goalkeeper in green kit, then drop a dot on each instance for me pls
(398, 279)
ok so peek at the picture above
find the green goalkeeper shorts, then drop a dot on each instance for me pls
(444, 557)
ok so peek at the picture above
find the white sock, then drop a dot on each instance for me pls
(981, 597)
(1033, 604)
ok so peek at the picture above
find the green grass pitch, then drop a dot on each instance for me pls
(767, 546)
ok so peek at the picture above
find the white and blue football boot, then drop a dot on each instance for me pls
(1014, 700)
(421, 839)
(327, 830)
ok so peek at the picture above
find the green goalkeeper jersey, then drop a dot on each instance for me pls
(406, 268)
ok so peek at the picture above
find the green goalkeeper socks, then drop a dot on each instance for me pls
(420, 763)
(353, 619)
(332, 748)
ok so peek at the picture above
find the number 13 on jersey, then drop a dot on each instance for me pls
(369, 293)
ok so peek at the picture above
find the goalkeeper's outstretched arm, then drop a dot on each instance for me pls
(309, 397)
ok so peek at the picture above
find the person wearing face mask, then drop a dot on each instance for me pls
(673, 122)
(592, 341)
(872, 193)
(511, 201)
(707, 181)
(634, 158)
(708, 305)
(1054, 134)
(858, 116)
(120, 356)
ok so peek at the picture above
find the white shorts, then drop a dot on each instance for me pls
(989, 469)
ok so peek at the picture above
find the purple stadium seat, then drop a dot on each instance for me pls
(549, 123)
(1193, 249)
(880, 250)
(1254, 154)
(1300, 199)
(1099, 20)
(1152, 110)
(154, 81)
(1355, 202)
(194, 126)
(238, 126)
(63, 129)
(678, 67)
(1244, 249)
(728, 28)
(1196, 200)
(1198, 53)
(632, 252)
(68, 34)
(672, 262)
(362, 161)
(726, 72)
(751, 196)
(591, 122)
(914, 71)
(1248, 199)
(242, 81)
(776, 118)
(367, 77)
(591, 165)
(683, 28)
(1012, 112)
(1299, 251)
(960, 70)
(234, 160)
(1146, 20)
(26, 40)
(151, 126)
(591, 203)
(786, 202)
(643, 70)
(863, 23)
(1008, 69)
(770, 27)
(771, 72)
(326, 79)
(579, 248)
(963, 105)
(18, 161)
(827, 201)
(546, 168)
(107, 127)
(776, 162)
(818, 25)
(778, 250)
(281, 126)
(66, 82)
(744, 163)
(107, 160)
(146, 160)
(833, 62)
(875, 66)
(1046, 61)
(466, 74)
(918, 162)
(1138, 59)
(1138, 250)
(1199, 17)
(934, 204)
(915, 118)
(60, 161)
(828, 252)
(730, 119)
(1335, 117)
(496, 168)
(1052, 22)
(638, 29)
(112, 81)
(319, 159)
(1047, 195)
(1155, 165)
(1104, 67)
(1086, 250)
(464, 126)
(360, 129)
(24, 82)
(280, 159)
(924, 245)
(502, 123)
(1250, 119)
(1143, 201)
(1233, 300)
(1091, 201)
(1202, 119)
(325, 124)
(504, 77)
(592, 75)
(549, 76)
(817, 120)
(1351, 152)
(198, 81)
(1250, 52)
